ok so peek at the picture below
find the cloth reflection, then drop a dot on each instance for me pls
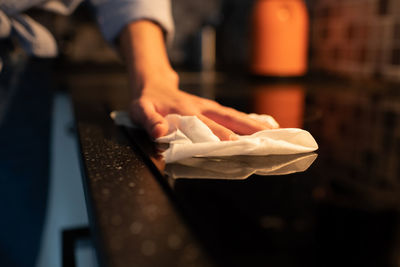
(239, 167)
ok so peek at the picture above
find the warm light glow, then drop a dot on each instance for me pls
(279, 38)
(285, 102)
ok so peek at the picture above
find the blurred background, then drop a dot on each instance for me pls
(352, 40)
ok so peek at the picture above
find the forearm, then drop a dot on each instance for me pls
(155, 88)
(142, 46)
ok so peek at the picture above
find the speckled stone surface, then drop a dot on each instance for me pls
(132, 220)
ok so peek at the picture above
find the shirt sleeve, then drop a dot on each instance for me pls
(113, 15)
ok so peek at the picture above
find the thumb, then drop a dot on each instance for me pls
(144, 113)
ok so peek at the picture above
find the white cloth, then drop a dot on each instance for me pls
(189, 137)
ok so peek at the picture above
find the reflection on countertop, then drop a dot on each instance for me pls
(239, 167)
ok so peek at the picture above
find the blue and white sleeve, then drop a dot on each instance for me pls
(113, 15)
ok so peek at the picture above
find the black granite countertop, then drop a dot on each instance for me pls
(342, 211)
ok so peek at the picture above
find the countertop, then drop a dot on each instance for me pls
(342, 211)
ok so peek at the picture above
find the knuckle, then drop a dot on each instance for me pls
(139, 104)
(138, 110)
(175, 78)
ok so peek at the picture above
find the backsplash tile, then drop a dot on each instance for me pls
(357, 38)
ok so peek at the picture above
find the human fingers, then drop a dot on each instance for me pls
(144, 113)
(237, 121)
(220, 131)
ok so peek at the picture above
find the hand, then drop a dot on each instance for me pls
(162, 97)
(156, 94)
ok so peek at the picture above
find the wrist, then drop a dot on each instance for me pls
(143, 49)
(154, 78)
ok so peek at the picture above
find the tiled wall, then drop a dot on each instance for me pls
(357, 38)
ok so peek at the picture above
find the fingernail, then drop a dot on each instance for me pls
(233, 137)
(271, 121)
(156, 131)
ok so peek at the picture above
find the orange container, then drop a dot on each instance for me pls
(279, 38)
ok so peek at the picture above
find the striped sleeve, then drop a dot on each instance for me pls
(113, 15)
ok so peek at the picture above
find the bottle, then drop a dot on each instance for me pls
(279, 38)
